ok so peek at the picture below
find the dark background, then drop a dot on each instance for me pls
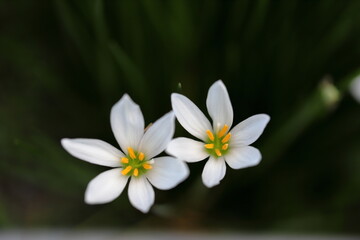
(63, 64)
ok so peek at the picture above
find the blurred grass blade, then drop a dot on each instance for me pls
(155, 12)
(316, 106)
(25, 56)
(101, 30)
(106, 72)
(77, 31)
(134, 77)
(256, 21)
(181, 26)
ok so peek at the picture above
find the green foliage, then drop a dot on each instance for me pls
(65, 63)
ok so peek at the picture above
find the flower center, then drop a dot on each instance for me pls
(218, 144)
(135, 163)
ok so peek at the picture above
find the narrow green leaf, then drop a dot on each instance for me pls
(133, 76)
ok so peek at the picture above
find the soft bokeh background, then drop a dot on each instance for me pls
(63, 64)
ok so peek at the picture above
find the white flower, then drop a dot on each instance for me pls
(217, 142)
(135, 161)
(355, 88)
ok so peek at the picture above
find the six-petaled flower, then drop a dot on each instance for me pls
(217, 143)
(136, 160)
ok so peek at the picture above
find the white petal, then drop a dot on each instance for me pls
(127, 123)
(355, 88)
(187, 149)
(105, 187)
(214, 171)
(93, 150)
(219, 106)
(243, 157)
(158, 136)
(190, 116)
(167, 172)
(249, 130)
(141, 194)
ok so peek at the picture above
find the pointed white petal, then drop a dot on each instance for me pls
(158, 136)
(249, 130)
(167, 172)
(355, 88)
(105, 187)
(141, 194)
(93, 150)
(214, 171)
(127, 123)
(219, 106)
(187, 149)
(190, 116)
(243, 157)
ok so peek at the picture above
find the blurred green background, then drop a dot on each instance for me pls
(63, 64)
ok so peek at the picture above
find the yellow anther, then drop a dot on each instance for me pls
(209, 146)
(126, 170)
(210, 135)
(141, 156)
(225, 146)
(131, 153)
(226, 138)
(223, 131)
(136, 172)
(147, 166)
(218, 153)
(124, 160)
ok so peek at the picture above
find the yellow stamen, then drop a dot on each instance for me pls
(210, 135)
(136, 172)
(209, 146)
(141, 156)
(124, 160)
(126, 170)
(147, 166)
(226, 138)
(223, 131)
(225, 146)
(131, 153)
(218, 153)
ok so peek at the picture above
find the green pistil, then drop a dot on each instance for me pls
(134, 164)
(219, 146)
